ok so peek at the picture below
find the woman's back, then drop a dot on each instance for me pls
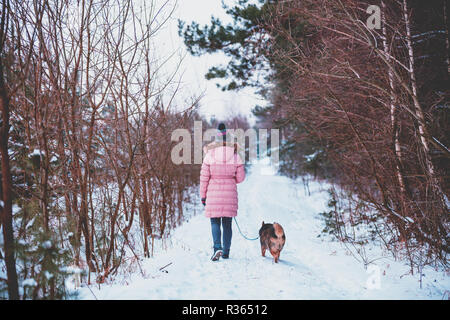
(221, 170)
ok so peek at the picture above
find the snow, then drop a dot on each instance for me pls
(47, 244)
(29, 283)
(15, 209)
(36, 152)
(309, 267)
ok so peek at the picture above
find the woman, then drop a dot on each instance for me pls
(221, 170)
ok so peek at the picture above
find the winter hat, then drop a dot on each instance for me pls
(221, 132)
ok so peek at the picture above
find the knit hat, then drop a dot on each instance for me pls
(221, 132)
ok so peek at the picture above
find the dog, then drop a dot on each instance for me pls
(272, 237)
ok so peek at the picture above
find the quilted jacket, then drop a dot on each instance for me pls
(222, 169)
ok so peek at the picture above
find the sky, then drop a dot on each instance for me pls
(214, 102)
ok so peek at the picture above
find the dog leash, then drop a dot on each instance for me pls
(237, 224)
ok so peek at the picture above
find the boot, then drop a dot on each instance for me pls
(217, 254)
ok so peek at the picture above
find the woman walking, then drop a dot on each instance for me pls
(221, 170)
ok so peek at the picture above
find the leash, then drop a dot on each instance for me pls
(237, 224)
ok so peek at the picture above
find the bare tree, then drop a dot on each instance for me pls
(93, 108)
(355, 92)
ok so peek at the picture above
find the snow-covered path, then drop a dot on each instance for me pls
(309, 268)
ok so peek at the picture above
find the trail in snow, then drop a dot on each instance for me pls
(309, 268)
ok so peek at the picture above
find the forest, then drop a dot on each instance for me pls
(87, 110)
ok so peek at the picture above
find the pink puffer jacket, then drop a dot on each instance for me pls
(221, 170)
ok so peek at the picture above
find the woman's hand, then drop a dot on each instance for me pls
(204, 201)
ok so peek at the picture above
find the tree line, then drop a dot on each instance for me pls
(86, 116)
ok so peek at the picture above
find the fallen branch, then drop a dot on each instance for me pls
(160, 269)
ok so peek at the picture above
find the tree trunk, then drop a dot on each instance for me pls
(6, 208)
(393, 101)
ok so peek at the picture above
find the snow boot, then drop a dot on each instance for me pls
(217, 254)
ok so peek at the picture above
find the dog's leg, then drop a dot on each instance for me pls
(277, 257)
(263, 250)
(274, 255)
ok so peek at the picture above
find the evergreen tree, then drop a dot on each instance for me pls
(250, 41)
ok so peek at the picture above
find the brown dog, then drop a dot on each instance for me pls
(272, 237)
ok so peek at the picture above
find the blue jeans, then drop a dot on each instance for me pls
(216, 234)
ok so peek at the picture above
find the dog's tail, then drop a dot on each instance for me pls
(262, 223)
